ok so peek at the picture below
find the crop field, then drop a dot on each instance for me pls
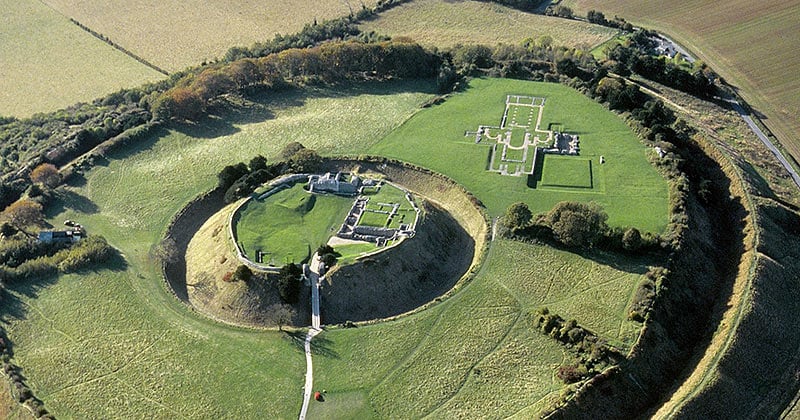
(447, 23)
(477, 355)
(177, 34)
(626, 185)
(748, 43)
(49, 63)
(288, 225)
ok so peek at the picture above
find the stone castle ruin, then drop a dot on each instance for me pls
(351, 185)
(339, 183)
(512, 157)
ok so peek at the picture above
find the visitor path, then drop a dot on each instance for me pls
(314, 278)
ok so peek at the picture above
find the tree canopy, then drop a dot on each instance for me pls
(517, 216)
(577, 224)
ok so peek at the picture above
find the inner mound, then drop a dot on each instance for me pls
(446, 244)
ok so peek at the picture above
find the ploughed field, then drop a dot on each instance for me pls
(50, 63)
(447, 23)
(750, 44)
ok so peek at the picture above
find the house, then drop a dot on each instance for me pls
(60, 236)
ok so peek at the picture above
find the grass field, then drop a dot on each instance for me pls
(113, 342)
(566, 171)
(290, 224)
(627, 186)
(477, 355)
(748, 43)
(447, 23)
(176, 34)
(49, 63)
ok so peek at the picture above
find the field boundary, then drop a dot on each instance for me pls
(118, 47)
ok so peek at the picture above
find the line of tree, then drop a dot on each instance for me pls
(242, 179)
(577, 225)
(593, 353)
(327, 63)
(639, 56)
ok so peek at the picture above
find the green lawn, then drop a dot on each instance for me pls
(348, 253)
(566, 171)
(290, 224)
(627, 186)
(371, 218)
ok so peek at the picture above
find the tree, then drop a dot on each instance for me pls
(7, 230)
(563, 11)
(577, 224)
(289, 282)
(257, 163)
(517, 216)
(230, 174)
(305, 160)
(23, 213)
(242, 273)
(290, 149)
(46, 174)
(632, 240)
(280, 314)
(596, 17)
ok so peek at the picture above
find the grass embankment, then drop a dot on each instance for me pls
(626, 185)
(161, 34)
(745, 42)
(446, 24)
(9, 408)
(477, 353)
(737, 374)
(49, 63)
(115, 342)
(290, 224)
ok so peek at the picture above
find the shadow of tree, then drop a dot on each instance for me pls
(320, 345)
(68, 199)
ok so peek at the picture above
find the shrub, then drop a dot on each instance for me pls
(46, 174)
(577, 224)
(289, 282)
(228, 277)
(571, 373)
(242, 273)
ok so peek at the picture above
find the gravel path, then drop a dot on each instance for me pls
(315, 278)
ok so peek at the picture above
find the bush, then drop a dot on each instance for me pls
(289, 282)
(577, 224)
(242, 273)
(571, 373)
